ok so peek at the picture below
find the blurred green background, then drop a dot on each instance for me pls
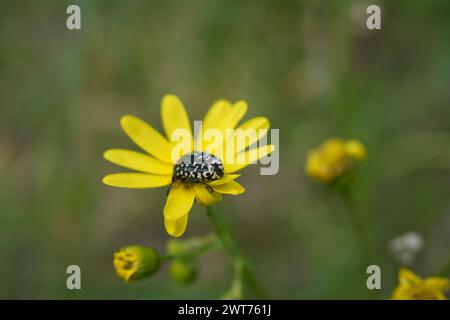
(311, 67)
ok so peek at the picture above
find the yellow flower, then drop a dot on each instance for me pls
(412, 287)
(333, 158)
(163, 165)
(135, 262)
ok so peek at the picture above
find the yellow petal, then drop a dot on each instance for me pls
(174, 116)
(231, 187)
(256, 124)
(136, 180)
(205, 197)
(137, 161)
(333, 150)
(226, 178)
(355, 149)
(408, 278)
(225, 117)
(235, 115)
(215, 115)
(401, 293)
(176, 227)
(179, 201)
(314, 163)
(440, 296)
(213, 118)
(247, 158)
(259, 124)
(147, 138)
(229, 123)
(437, 283)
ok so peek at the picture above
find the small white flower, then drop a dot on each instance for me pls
(406, 247)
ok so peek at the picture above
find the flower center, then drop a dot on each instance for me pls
(198, 167)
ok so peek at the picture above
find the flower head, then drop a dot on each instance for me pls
(201, 168)
(412, 287)
(333, 158)
(136, 262)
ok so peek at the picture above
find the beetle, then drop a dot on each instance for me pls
(198, 167)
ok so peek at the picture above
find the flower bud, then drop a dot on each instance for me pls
(183, 271)
(136, 262)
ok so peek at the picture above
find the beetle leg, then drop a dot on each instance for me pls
(208, 187)
(170, 186)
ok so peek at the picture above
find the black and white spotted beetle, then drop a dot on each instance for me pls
(198, 167)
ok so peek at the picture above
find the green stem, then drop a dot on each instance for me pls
(193, 247)
(242, 269)
(235, 292)
(362, 236)
(360, 231)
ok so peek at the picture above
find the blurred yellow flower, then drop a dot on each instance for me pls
(135, 262)
(412, 287)
(333, 158)
(164, 163)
